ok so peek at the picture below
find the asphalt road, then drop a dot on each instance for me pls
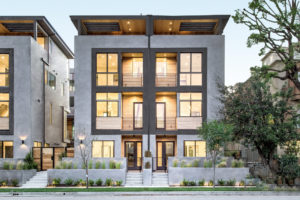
(103, 196)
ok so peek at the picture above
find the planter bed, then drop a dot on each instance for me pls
(21, 176)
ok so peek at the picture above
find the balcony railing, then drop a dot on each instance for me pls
(131, 123)
(132, 80)
(166, 80)
(168, 123)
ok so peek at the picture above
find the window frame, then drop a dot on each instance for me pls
(8, 72)
(118, 101)
(107, 72)
(190, 73)
(191, 101)
(195, 142)
(2, 150)
(102, 141)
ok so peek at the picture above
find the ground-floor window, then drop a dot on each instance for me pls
(103, 149)
(37, 144)
(195, 148)
(6, 149)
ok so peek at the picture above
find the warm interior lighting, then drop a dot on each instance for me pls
(129, 29)
(170, 29)
(171, 23)
(128, 22)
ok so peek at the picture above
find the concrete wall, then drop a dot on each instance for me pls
(21, 175)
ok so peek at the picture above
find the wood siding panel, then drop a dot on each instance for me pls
(108, 123)
(189, 122)
(4, 123)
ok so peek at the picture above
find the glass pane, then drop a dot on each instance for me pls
(4, 63)
(196, 108)
(169, 149)
(113, 96)
(200, 149)
(160, 115)
(112, 109)
(138, 115)
(137, 66)
(101, 96)
(185, 109)
(196, 62)
(112, 62)
(196, 96)
(196, 79)
(112, 79)
(139, 154)
(108, 149)
(185, 96)
(41, 41)
(159, 154)
(161, 66)
(185, 79)
(189, 149)
(101, 79)
(130, 154)
(185, 59)
(8, 149)
(4, 97)
(101, 62)
(4, 109)
(97, 149)
(52, 80)
(101, 109)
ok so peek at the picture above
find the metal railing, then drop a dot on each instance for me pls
(132, 79)
(168, 123)
(166, 80)
(132, 123)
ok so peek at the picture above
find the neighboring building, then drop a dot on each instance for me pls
(34, 94)
(146, 83)
(70, 120)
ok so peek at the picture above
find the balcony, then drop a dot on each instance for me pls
(132, 123)
(132, 80)
(168, 123)
(132, 68)
(132, 110)
(166, 80)
(166, 111)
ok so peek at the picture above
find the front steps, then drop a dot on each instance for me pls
(134, 179)
(160, 179)
(40, 180)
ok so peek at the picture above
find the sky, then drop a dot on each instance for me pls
(238, 58)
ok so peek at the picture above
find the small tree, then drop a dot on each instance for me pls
(85, 156)
(216, 134)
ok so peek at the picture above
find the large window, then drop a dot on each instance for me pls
(194, 149)
(190, 104)
(6, 149)
(107, 69)
(50, 79)
(4, 105)
(4, 70)
(190, 69)
(107, 104)
(103, 149)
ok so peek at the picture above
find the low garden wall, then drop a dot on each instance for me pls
(22, 176)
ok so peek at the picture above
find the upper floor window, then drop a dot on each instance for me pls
(4, 70)
(166, 70)
(190, 104)
(50, 79)
(132, 69)
(107, 104)
(107, 69)
(190, 69)
(72, 86)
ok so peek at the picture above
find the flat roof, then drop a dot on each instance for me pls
(25, 23)
(160, 24)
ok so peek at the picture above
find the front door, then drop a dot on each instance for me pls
(133, 152)
(160, 115)
(165, 149)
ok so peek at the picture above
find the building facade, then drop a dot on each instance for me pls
(146, 83)
(34, 86)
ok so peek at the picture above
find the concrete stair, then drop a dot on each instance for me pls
(134, 179)
(160, 179)
(40, 180)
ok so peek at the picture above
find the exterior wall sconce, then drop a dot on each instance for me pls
(23, 141)
(81, 141)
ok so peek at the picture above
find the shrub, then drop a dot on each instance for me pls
(82, 182)
(75, 166)
(207, 164)
(62, 155)
(148, 154)
(77, 182)
(119, 183)
(69, 165)
(64, 165)
(56, 181)
(29, 162)
(91, 182)
(103, 165)
(222, 164)
(192, 183)
(112, 164)
(242, 183)
(231, 182)
(68, 182)
(118, 165)
(175, 163)
(289, 167)
(148, 165)
(182, 164)
(15, 182)
(237, 164)
(58, 166)
(3, 183)
(11, 166)
(201, 182)
(195, 163)
(185, 182)
(188, 165)
(97, 165)
(19, 165)
(6, 165)
(211, 183)
(221, 182)
(90, 165)
(99, 182)
(108, 182)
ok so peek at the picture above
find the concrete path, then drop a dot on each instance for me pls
(40, 180)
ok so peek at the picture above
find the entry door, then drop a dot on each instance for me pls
(164, 150)
(47, 158)
(138, 115)
(161, 115)
(133, 152)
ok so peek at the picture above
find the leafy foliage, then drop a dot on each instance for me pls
(29, 162)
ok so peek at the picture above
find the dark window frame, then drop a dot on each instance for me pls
(195, 141)
(2, 150)
(191, 67)
(107, 72)
(191, 100)
(103, 147)
(118, 101)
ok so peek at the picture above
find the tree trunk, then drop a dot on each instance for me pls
(268, 163)
(214, 163)
(87, 175)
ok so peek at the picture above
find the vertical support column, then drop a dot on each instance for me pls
(35, 31)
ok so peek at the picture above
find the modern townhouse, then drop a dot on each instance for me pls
(34, 88)
(146, 83)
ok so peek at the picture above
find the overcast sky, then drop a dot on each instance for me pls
(238, 57)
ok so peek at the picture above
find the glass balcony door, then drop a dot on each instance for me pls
(160, 115)
(138, 115)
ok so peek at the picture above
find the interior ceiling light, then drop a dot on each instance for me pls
(129, 29)
(170, 29)
(171, 23)
(128, 22)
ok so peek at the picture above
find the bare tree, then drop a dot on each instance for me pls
(85, 155)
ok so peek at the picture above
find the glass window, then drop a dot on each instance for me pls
(41, 41)
(103, 149)
(51, 80)
(107, 104)
(190, 104)
(4, 70)
(6, 149)
(37, 144)
(190, 69)
(107, 69)
(4, 105)
(194, 148)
